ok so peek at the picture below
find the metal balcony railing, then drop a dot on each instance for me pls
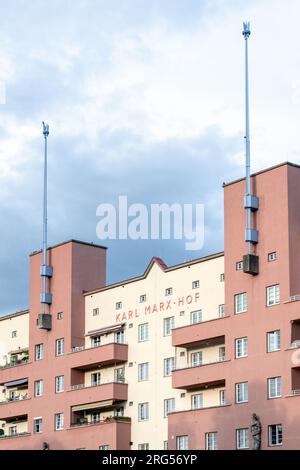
(18, 434)
(21, 362)
(295, 392)
(191, 366)
(15, 398)
(90, 422)
(81, 386)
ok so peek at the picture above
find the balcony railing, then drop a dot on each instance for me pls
(295, 392)
(15, 364)
(14, 399)
(18, 434)
(90, 422)
(190, 366)
(81, 386)
(94, 346)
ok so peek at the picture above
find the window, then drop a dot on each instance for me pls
(59, 383)
(95, 416)
(95, 312)
(242, 438)
(119, 337)
(143, 371)
(168, 325)
(60, 347)
(222, 397)
(118, 305)
(195, 284)
(168, 291)
(274, 387)
(14, 334)
(241, 392)
(197, 401)
(272, 256)
(275, 435)
(241, 347)
(241, 302)
(95, 379)
(143, 298)
(143, 411)
(196, 317)
(239, 265)
(143, 332)
(104, 447)
(39, 352)
(196, 359)
(165, 445)
(120, 375)
(38, 388)
(222, 277)
(144, 446)
(59, 315)
(59, 421)
(182, 442)
(169, 366)
(169, 406)
(13, 395)
(273, 295)
(211, 441)
(95, 341)
(12, 431)
(221, 310)
(222, 353)
(119, 411)
(37, 425)
(273, 340)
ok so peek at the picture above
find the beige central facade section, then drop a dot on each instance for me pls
(158, 306)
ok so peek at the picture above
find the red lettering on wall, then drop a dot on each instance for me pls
(189, 299)
(118, 318)
(197, 295)
(130, 313)
(136, 314)
(124, 316)
(147, 310)
(168, 306)
(180, 301)
(154, 308)
(161, 306)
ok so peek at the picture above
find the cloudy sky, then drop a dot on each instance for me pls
(143, 98)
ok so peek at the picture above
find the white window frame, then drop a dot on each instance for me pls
(59, 421)
(278, 431)
(60, 315)
(273, 295)
(119, 375)
(196, 284)
(169, 324)
(241, 347)
(274, 387)
(39, 352)
(211, 440)
(241, 390)
(222, 353)
(242, 438)
(97, 376)
(221, 311)
(197, 401)
(143, 332)
(272, 256)
(239, 265)
(197, 359)
(143, 371)
(273, 340)
(222, 397)
(59, 383)
(95, 341)
(144, 446)
(120, 337)
(241, 303)
(169, 406)
(96, 311)
(40, 424)
(168, 291)
(38, 388)
(104, 447)
(60, 347)
(169, 366)
(196, 317)
(119, 305)
(182, 442)
(143, 411)
(143, 298)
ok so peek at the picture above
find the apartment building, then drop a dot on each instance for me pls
(177, 358)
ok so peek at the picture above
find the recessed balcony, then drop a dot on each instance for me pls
(103, 355)
(202, 334)
(105, 392)
(203, 376)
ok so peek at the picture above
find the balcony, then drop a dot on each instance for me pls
(104, 355)
(201, 377)
(11, 436)
(106, 392)
(208, 333)
(82, 422)
(10, 409)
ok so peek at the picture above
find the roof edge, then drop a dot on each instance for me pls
(72, 240)
(13, 315)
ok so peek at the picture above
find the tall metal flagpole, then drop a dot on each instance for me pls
(246, 34)
(44, 262)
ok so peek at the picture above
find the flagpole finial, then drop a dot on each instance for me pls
(246, 29)
(45, 129)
